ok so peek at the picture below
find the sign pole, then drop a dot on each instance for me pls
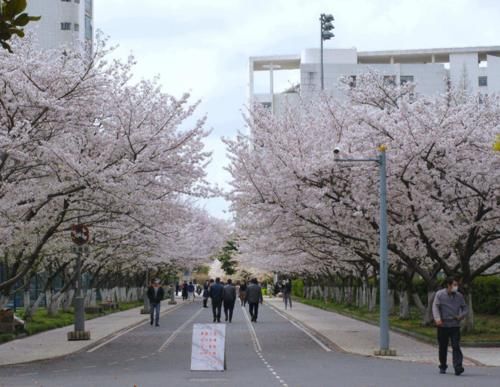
(80, 236)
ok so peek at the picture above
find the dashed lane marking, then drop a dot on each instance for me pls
(258, 350)
(130, 330)
(178, 330)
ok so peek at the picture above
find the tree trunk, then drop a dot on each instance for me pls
(428, 317)
(30, 310)
(68, 300)
(469, 319)
(27, 299)
(418, 303)
(3, 301)
(404, 305)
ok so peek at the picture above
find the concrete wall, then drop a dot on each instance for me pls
(493, 74)
(430, 78)
(464, 71)
(55, 12)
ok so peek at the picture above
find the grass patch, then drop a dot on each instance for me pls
(42, 322)
(486, 330)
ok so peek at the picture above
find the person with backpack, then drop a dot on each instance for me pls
(229, 300)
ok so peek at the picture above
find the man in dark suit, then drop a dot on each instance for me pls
(216, 293)
(155, 295)
(254, 297)
(229, 299)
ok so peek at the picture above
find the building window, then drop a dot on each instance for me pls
(65, 26)
(390, 80)
(66, 1)
(76, 27)
(483, 81)
(88, 27)
(77, 1)
(352, 81)
(403, 79)
(266, 105)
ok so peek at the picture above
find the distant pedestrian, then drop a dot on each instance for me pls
(243, 293)
(155, 295)
(184, 291)
(254, 298)
(205, 294)
(177, 288)
(448, 309)
(287, 293)
(229, 300)
(216, 293)
(190, 289)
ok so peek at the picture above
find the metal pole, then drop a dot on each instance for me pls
(271, 86)
(321, 56)
(384, 308)
(79, 300)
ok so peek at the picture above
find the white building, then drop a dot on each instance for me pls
(63, 22)
(433, 70)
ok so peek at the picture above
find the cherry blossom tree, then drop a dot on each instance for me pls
(302, 211)
(81, 143)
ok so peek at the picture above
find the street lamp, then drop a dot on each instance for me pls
(326, 34)
(384, 305)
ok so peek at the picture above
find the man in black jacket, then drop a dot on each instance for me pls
(254, 297)
(229, 299)
(216, 293)
(155, 295)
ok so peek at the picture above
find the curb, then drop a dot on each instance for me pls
(96, 343)
(416, 336)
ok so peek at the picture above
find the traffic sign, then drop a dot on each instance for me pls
(80, 234)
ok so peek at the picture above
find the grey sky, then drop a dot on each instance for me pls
(202, 46)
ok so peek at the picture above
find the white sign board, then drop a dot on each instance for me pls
(208, 350)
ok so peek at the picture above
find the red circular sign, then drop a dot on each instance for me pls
(80, 234)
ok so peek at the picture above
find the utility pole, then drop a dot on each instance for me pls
(325, 34)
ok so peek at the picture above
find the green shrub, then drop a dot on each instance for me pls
(298, 287)
(486, 295)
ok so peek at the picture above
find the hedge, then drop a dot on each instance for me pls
(485, 293)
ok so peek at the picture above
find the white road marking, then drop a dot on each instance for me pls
(255, 339)
(258, 349)
(28, 374)
(130, 330)
(315, 339)
(92, 366)
(113, 363)
(177, 331)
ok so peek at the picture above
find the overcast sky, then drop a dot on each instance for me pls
(203, 46)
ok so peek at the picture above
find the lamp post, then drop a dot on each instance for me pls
(325, 34)
(384, 349)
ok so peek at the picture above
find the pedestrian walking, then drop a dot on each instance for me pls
(243, 293)
(155, 295)
(448, 309)
(254, 297)
(229, 300)
(205, 294)
(177, 288)
(190, 289)
(184, 291)
(216, 294)
(287, 293)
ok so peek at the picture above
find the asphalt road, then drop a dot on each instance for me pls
(274, 353)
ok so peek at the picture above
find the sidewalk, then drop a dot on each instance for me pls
(360, 338)
(54, 343)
